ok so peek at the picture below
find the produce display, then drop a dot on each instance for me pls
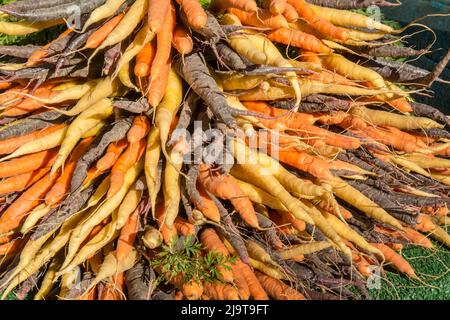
(232, 150)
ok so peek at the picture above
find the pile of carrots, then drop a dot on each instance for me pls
(328, 169)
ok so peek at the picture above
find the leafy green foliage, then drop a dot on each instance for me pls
(185, 256)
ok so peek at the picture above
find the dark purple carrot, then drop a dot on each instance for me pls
(186, 203)
(185, 118)
(430, 78)
(59, 11)
(352, 4)
(194, 71)
(396, 71)
(81, 287)
(33, 4)
(112, 56)
(231, 58)
(74, 42)
(191, 184)
(270, 230)
(111, 133)
(18, 51)
(389, 50)
(137, 282)
(27, 286)
(212, 32)
(139, 106)
(48, 116)
(432, 133)
(22, 127)
(71, 205)
(230, 232)
(384, 201)
(315, 103)
(424, 110)
(264, 70)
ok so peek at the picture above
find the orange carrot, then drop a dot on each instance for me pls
(212, 243)
(131, 155)
(127, 236)
(309, 56)
(278, 289)
(417, 238)
(11, 247)
(275, 6)
(168, 234)
(5, 85)
(256, 290)
(401, 104)
(290, 13)
(299, 39)
(397, 261)
(182, 41)
(157, 88)
(30, 104)
(157, 10)
(184, 227)
(305, 162)
(21, 181)
(43, 52)
(195, 14)
(206, 205)
(27, 163)
(323, 26)
(223, 186)
(424, 223)
(240, 282)
(62, 185)
(244, 5)
(10, 145)
(139, 129)
(260, 19)
(164, 44)
(220, 291)
(144, 60)
(91, 295)
(6, 239)
(298, 224)
(101, 33)
(17, 211)
(283, 118)
(111, 155)
(111, 291)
